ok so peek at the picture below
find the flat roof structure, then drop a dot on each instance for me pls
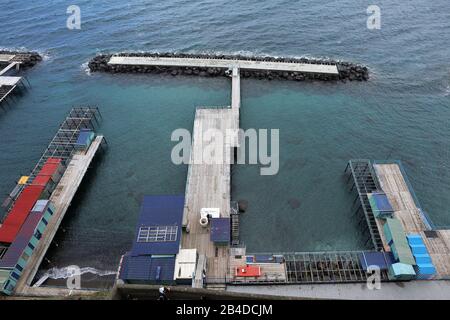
(147, 269)
(225, 63)
(158, 231)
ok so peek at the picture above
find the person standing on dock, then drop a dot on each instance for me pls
(163, 294)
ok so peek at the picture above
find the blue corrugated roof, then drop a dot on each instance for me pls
(22, 239)
(84, 136)
(381, 259)
(159, 211)
(146, 268)
(220, 230)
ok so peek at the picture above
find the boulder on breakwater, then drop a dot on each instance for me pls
(347, 71)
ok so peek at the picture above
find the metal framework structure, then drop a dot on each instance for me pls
(325, 267)
(364, 182)
(158, 234)
(63, 144)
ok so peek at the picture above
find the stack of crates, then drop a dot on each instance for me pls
(424, 266)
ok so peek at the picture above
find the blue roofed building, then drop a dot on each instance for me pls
(156, 243)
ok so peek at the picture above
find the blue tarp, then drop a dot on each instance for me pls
(220, 230)
(159, 211)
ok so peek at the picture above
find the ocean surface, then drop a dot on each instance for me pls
(401, 113)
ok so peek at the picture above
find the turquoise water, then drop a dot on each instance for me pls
(401, 113)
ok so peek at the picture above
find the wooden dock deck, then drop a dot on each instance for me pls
(208, 183)
(61, 198)
(208, 186)
(225, 63)
(405, 209)
(394, 185)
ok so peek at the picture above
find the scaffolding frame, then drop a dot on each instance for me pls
(364, 182)
(62, 146)
(326, 267)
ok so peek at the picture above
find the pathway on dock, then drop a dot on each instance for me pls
(413, 290)
(225, 63)
(208, 184)
(61, 198)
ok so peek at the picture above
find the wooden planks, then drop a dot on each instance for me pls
(208, 180)
(439, 250)
(397, 191)
(208, 186)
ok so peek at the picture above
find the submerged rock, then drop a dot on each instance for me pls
(294, 203)
(243, 205)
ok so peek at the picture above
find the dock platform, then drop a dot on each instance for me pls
(208, 183)
(394, 183)
(10, 65)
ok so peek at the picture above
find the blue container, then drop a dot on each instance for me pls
(418, 249)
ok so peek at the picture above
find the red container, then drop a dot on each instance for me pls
(248, 271)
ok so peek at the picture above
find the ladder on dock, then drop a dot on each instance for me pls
(234, 214)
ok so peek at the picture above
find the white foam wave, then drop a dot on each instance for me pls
(447, 91)
(66, 272)
(85, 68)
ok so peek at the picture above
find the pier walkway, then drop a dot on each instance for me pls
(61, 198)
(208, 182)
(225, 63)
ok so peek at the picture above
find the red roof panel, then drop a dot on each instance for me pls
(19, 213)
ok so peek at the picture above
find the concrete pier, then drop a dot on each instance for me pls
(215, 65)
(225, 63)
